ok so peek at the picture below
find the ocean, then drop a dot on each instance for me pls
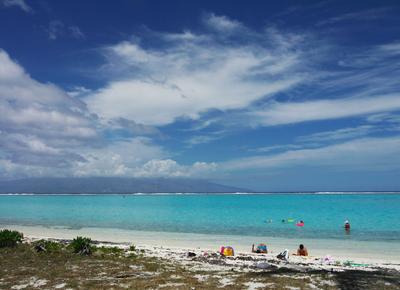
(373, 217)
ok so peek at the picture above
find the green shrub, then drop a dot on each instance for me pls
(47, 246)
(132, 248)
(10, 238)
(82, 246)
(110, 250)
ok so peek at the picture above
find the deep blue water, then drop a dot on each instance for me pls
(372, 216)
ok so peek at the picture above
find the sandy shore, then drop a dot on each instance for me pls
(343, 254)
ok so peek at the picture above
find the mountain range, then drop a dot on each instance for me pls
(108, 185)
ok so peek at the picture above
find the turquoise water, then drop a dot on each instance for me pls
(373, 216)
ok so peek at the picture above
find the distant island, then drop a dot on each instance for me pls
(107, 185)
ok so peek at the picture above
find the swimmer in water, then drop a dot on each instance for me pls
(347, 225)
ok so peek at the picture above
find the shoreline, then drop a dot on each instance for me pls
(206, 193)
(174, 245)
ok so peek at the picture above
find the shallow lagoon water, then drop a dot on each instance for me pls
(374, 217)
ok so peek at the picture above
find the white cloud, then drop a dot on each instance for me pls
(271, 148)
(40, 124)
(368, 154)
(76, 32)
(339, 134)
(221, 23)
(57, 28)
(385, 118)
(120, 158)
(392, 48)
(30, 106)
(295, 112)
(170, 168)
(202, 139)
(366, 15)
(191, 75)
(136, 158)
(46, 132)
(130, 127)
(18, 3)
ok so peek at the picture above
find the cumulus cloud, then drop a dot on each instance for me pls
(39, 121)
(189, 75)
(170, 168)
(47, 132)
(138, 157)
(121, 158)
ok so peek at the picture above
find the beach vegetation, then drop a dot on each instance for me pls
(110, 250)
(82, 246)
(10, 238)
(22, 268)
(132, 248)
(47, 246)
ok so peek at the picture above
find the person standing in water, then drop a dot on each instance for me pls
(347, 225)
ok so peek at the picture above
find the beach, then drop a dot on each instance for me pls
(162, 261)
(376, 253)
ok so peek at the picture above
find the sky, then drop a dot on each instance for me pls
(263, 95)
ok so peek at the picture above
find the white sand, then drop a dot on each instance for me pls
(384, 254)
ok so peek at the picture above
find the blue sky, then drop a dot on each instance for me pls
(283, 95)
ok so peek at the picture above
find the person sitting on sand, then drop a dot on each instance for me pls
(302, 251)
(261, 249)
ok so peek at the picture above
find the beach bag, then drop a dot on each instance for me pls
(226, 251)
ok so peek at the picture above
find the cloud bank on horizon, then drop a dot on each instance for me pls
(213, 98)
